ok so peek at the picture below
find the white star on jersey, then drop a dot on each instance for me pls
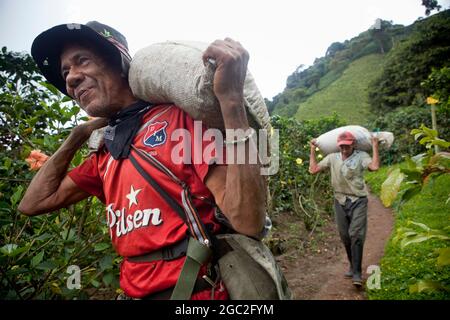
(132, 196)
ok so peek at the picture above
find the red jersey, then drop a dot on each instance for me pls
(139, 219)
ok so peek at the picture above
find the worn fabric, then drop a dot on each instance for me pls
(139, 220)
(347, 176)
(351, 220)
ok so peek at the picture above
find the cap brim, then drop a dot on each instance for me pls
(47, 47)
(345, 142)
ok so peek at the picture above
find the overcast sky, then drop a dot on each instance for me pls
(279, 34)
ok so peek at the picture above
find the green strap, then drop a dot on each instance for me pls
(197, 254)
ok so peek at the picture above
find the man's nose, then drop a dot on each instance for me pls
(73, 79)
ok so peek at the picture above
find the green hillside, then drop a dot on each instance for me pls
(306, 82)
(347, 95)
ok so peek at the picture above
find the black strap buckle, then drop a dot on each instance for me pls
(175, 251)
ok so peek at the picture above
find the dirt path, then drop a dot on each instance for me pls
(317, 274)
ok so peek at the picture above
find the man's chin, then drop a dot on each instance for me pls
(92, 109)
(98, 112)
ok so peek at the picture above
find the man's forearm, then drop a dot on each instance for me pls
(41, 195)
(245, 190)
(375, 165)
(48, 179)
(243, 200)
(245, 197)
(313, 167)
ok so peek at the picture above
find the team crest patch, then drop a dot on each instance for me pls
(156, 134)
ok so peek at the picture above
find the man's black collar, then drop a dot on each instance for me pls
(123, 127)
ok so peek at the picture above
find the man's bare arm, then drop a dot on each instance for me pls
(313, 167)
(239, 189)
(375, 164)
(51, 188)
(239, 192)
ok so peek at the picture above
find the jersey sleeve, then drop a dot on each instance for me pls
(87, 177)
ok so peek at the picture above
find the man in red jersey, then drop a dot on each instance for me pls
(90, 64)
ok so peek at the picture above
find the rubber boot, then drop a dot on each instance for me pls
(349, 273)
(357, 254)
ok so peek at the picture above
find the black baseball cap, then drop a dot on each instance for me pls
(47, 47)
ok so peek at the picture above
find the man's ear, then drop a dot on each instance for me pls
(125, 67)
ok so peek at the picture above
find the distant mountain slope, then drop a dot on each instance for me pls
(372, 74)
(347, 95)
(306, 82)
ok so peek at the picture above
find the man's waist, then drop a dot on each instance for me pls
(151, 290)
(360, 194)
(167, 253)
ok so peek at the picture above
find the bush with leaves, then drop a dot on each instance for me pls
(412, 178)
(293, 188)
(36, 252)
(410, 63)
(409, 179)
(402, 120)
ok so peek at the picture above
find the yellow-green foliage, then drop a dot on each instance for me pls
(406, 269)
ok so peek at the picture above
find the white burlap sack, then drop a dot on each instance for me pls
(174, 72)
(327, 142)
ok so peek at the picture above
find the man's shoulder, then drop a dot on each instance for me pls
(334, 156)
(166, 109)
(362, 154)
(98, 156)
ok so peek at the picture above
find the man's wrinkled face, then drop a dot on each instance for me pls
(91, 81)
(346, 150)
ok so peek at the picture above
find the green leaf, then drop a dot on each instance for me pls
(106, 262)
(17, 195)
(37, 259)
(50, 87)
(416, 239)
(426, 285)
(13, 250)
(7, 163)
(101, 246)
(444, 257)
(420, 225)
(5, 207)
(68, 237)
(441, 143)
(42, 237)
(416, 131)
(66, 99)
(424, 140)
(417, 135)
(8, 249)
(418, 159)
(47, 265)
(429, 132)
(412, 175)
(434, 234)
(95, 283)
(411, 192)
(390, 187)
(77, 159)
(108, 278)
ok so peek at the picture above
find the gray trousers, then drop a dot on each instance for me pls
(351, 220)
